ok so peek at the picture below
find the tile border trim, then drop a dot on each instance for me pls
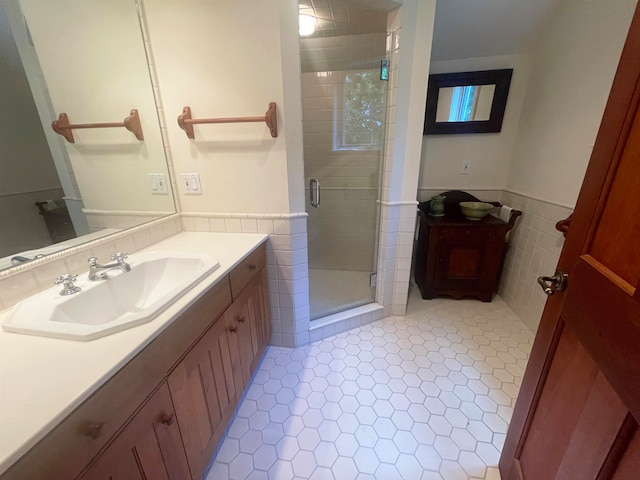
(52, 257)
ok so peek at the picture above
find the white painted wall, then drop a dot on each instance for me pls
(223, 59)
(28, 174)
(292, 108)
(25, 160)
(489, 153)
(416, 34)
(573, 67)
(94, 64)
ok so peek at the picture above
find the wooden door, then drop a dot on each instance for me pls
(204, 394)
(577, 414)
(149, 446)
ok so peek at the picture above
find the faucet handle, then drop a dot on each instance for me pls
(119, 257)
(67, 281)
(67, 277)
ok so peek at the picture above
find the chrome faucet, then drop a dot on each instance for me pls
(19, 259)
(99, 272)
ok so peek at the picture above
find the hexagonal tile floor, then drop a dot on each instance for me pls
(427, 396)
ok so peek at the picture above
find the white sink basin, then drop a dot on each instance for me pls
(103, 307)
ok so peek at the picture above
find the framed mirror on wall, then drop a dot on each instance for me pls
(467, 102)
(88, 60)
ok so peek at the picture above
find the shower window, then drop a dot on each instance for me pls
(359, 111)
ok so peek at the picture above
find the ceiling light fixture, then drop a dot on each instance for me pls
(307, 25)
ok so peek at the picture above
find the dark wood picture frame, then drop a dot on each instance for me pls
(502, 81)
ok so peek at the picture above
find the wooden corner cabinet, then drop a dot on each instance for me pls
(162, 415)
(457, 257)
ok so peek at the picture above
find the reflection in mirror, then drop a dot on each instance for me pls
(86, 59)
(467, 102)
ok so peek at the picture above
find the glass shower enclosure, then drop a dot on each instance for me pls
(344, 98)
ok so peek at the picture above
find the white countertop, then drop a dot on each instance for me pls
(42, 380)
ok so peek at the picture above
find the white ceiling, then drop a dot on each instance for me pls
(347, 17)
(480, 28)
(463, 28)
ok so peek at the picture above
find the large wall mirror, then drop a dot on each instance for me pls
(86, 59)
(468, 102)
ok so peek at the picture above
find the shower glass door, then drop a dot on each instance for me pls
(344, 112)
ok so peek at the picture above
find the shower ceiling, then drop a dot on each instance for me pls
(348, 17)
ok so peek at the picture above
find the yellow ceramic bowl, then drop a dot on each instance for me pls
(475, 210)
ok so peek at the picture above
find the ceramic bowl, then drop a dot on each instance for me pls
(475, 210)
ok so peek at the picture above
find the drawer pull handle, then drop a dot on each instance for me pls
(240, 319)
(93, 430)
(168, 419)
(233, 329)
(252, 266)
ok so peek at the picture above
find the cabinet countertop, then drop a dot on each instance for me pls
(42, 380)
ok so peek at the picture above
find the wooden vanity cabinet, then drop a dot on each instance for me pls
(163, 413)
(459, 258)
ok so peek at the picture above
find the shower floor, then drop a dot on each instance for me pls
(332, 291)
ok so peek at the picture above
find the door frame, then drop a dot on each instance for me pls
(622, 104)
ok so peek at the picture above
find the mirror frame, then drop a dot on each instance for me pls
(502, 80)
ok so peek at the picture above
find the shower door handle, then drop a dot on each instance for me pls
(314, 192)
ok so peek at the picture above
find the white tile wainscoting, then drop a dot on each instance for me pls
(287, 265)
(534, 252)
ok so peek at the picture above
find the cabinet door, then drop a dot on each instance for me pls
(262, 314)
(204, 394)
(250, 315)
(468, 260)
(149, 446)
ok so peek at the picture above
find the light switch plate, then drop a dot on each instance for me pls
(158, 183)
(191, 183)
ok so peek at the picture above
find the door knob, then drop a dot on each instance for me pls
(554, 284)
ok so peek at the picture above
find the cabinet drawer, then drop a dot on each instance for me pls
(250, 266)
(461, 233)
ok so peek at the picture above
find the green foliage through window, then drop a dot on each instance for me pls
(360, 121)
